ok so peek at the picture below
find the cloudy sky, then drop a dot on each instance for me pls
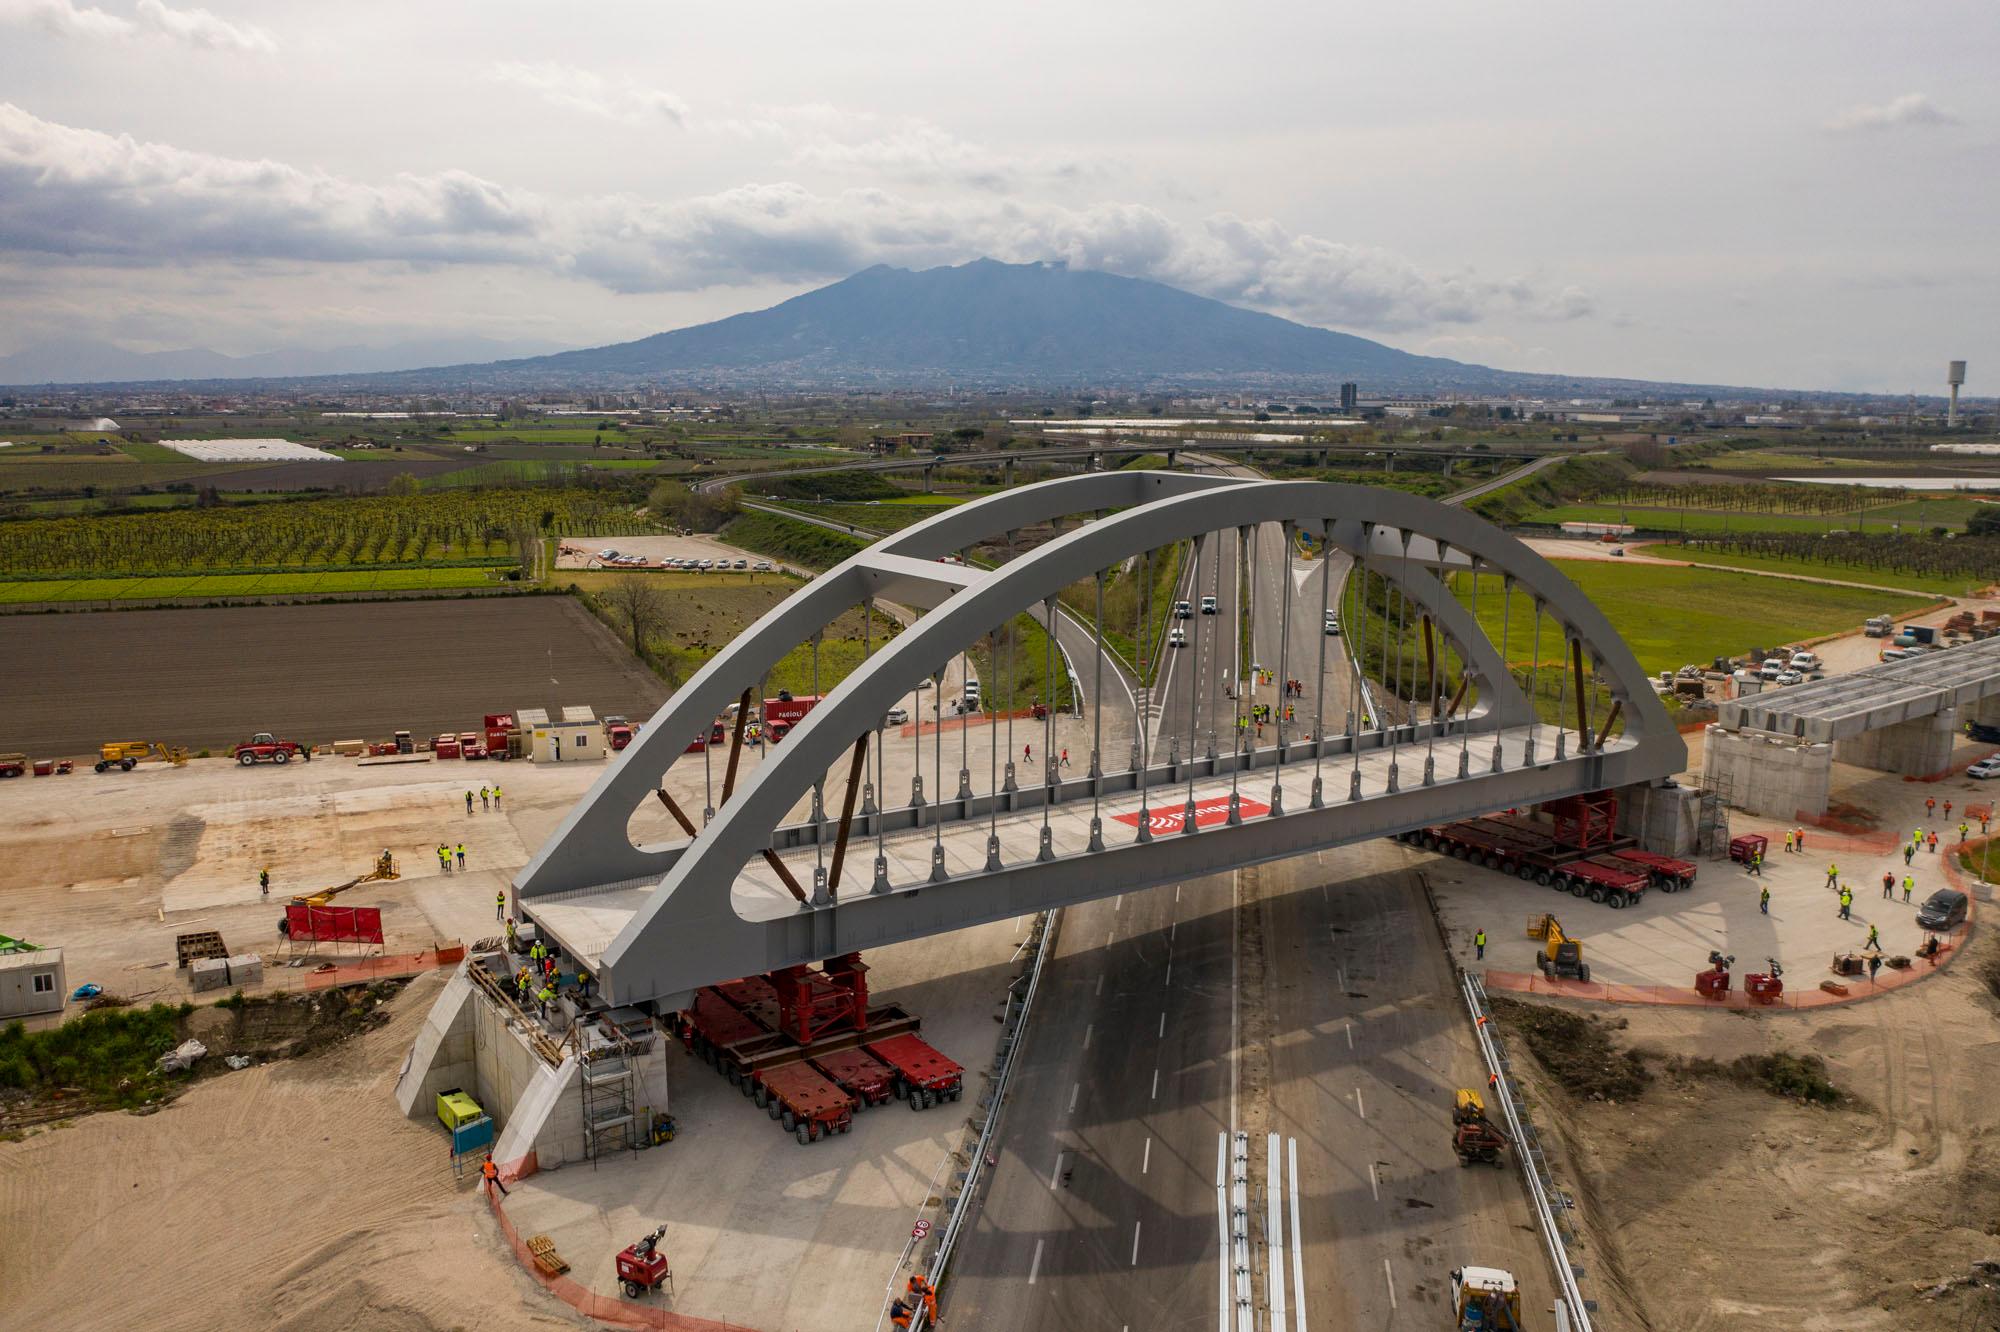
(1782, 192)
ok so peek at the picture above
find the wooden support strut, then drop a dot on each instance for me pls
(1430, 665)
(687, 824)
(854, 772)
(1610, 720)
(1582, 712)
(1464, 683)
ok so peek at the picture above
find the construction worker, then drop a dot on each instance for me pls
(496, 795)
(521, 986)
(485, 798)
(545, 996)
(1063, 762)
(536, 953)
(491, 1173)
(1909, 886)
(1479, 944)
(1757, 863)
(920, 1289)
(1909, 850)
(1799, 835)
(1889, 885)
(444, 858)
(1027, 753)
(1933, 841)
(899, 1313)
(468, 804)
(499, 904)
(1874, 938)
(1874, 965)
(1947, 811)
(264, 877)
(1788, 840)
(1832, 874)
(1846, 904)
(583, 982)
(461, 855)
(1963, 829)
(1764, 900)
(1930, 807)
(512, 936)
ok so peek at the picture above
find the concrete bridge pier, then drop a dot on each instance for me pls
(1775, 776)
(1915, 748)
(1661, 814)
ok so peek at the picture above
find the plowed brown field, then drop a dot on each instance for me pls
(208, 678)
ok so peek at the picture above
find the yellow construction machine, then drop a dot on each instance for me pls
(1561, 957)
(1485, 1299)
(125, 755)
(385, 868)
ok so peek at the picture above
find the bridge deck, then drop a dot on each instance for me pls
(1845, 706)
(585, 923)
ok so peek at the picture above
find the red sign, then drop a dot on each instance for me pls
(1207, 814)
(331, 924)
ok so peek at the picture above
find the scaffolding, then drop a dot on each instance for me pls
(1711, 829)
(606, 1072)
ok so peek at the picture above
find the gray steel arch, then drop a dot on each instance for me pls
(688, 932)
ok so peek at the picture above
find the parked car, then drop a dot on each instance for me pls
(972, 692)
(1208, 606)
(1177, 637)
(742, 564)
(897, 716)
(1985, 769)
(1183, 611)
(1804, 661)
(607, 555)
(1941, 910)
(1983, 732)
(761, 566)
(1790, 678)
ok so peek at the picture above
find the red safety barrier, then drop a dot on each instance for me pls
(332, 924)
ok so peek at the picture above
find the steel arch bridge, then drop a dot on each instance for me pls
(801, 861)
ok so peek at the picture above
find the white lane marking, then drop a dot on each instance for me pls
(1170, 976)
(1343, 976)
(1177, 892)
(1088, 1027)
(1359, 1108)
(1075, 1087)
(1146, 1161)
(1350, 1035)
(1298, 1243)
(1135, 1244)
(1156, 1084)
(1056, 1174)
(1172, 925)
(1118, 902)
(1389, 1277)
(1234, 1027)
(1100, 983)
(1036, 1265)
(1374, 1182)
(1163, 1024)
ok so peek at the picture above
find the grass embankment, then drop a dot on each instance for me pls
(791, 540)
(1552, 486)
(1671, 616)
(1853, 573)
(882, 516)
(243, 585)
(1128, 610)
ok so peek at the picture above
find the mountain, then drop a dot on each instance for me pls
(83, 361)
(989, 321)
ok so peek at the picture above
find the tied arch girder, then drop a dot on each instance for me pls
(1401, 536)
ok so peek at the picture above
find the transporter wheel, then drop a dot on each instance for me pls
(246, 758)
(773, 1109)
(1544, 878)
(1492, 862)
(1506, 867)
(761, 1097)
(734, 1074)
(1597, 895)
(916, 1101)
(281, 756)
(813, 1130)
(955, 1093)
(847, 1127)
(1619, 901)
(749, 1085)
(1426, 841)
(1638, 897)
(1527, 873)
(1576, 888)
(788, 1120)
(902, 1088)
(801, 1134)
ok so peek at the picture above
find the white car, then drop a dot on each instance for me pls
(1208, 606)
(1177, 637)
(607, 555)
(705, 564)
(1985, 769)
(1183, 611)
(1790, 678)
(897, 716)
(1333, 626)
(742, 564)
(761, 566)
(1804, 661)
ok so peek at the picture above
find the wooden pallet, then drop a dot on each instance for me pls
(544, 1250)
(202, 943)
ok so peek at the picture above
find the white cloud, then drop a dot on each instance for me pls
(84, 194)
(922, 153)
(190, 27)
(198, 27)
(1909, 110)
(580, 90)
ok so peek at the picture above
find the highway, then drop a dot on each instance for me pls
(1257, 1001)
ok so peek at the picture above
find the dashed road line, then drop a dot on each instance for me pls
(1036, 1265)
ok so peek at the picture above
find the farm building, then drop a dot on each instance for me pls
(31, 981)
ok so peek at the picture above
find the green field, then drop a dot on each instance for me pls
(1673, 616)
(1697, 520)
(241, 585)
(1853, 573)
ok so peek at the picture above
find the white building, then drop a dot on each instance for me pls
(31, 982)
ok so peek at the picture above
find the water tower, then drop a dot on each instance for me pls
(1954, 375)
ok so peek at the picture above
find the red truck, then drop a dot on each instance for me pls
(497, 725)
(715, 735)
(264, 748)
(618, 732)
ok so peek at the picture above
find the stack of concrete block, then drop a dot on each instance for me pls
(224, 973)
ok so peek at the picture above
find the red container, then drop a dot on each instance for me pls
(445, 747)
(1763, 988)
(1741, 848)
(1712, 984)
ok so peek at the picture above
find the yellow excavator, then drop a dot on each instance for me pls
(385, 868)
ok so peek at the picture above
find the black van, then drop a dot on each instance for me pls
(1941, 910)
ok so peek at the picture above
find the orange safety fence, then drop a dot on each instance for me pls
(960, 723)
(360, 970)
(604, 1308)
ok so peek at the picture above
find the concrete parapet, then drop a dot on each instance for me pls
(442, 1055)
(1769, 775)
(1662, 815)
(1919, 747)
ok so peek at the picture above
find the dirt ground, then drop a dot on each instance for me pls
(291, 1195)
(312, 673)
(1712, 1205)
